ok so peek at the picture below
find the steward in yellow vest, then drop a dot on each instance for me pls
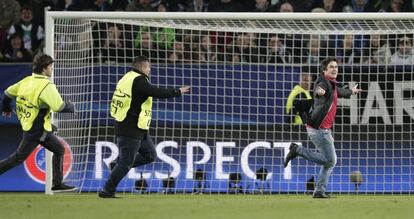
(131, 107)
(131, 104)
(36, 97)
(122, 100)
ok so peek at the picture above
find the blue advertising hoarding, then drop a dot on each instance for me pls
(386, 164)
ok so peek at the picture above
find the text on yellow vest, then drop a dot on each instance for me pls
(27, 102)
(122, 98)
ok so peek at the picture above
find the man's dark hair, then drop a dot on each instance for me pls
(325, 63)
(138, 61)
(26, 8)
(41, 62)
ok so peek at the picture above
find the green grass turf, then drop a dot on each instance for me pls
(78, 206)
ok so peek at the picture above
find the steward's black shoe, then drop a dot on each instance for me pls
(292, 153)
(104, 194)
(63, 188)
(321, 195)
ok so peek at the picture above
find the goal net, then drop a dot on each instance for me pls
(232, 132)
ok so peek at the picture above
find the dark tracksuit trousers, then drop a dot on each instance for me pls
(27, 146)
(133, 152)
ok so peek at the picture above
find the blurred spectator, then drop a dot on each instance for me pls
(223, 41)
(290, 40)
(329, 5)
(345, 50)
(10, 14)
(164, 38)
(114, 48)
(38, 9)
(176, 55)
(139, 5)
(199, 48)
(404, 54)
(399, 6)
(395, 6)
(15, 51)
(286, 8)
(72, 47)
(161, 7)
(262, 6)
(31, 32)
(361, 6)
(377, 51)
(312, 53)
(299, 92)
(322, 38)
(66, 5)
(207, 50)
(244, 49)
(144, 46)
(192, 47)
(197, 6)
(225, 6)
(277, 52)
(293, 42)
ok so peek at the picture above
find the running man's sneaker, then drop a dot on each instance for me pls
(292, 154)
(320, 195)
(63, 188)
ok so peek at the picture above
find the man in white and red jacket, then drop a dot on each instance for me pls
(320, 122)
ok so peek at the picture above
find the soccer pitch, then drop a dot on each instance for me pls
(38, 205)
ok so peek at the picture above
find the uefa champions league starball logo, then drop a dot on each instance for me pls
(35, 164)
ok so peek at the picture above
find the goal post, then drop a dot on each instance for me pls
(232, 132)
(49, 32)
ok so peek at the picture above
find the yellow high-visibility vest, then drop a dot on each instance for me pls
(297, 90)
(28, 102)
(122, 98)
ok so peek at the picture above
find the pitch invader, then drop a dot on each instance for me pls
(320, 122)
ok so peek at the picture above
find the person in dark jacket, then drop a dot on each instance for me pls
(15, 51)
(319, 124)
(131, 107)
(31, 32)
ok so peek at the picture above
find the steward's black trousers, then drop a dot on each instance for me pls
(133, 152)
(27, 146)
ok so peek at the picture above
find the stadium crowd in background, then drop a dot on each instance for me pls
(26, 19)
